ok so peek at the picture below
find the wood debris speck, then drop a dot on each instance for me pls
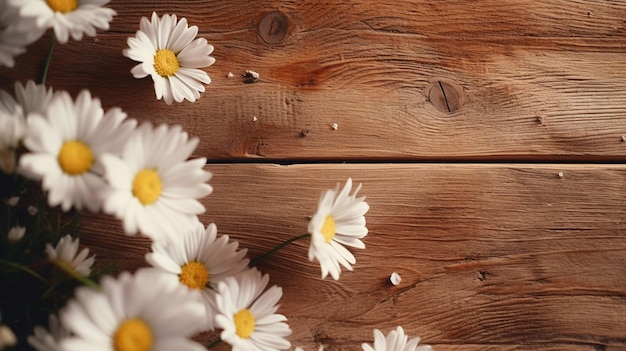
(250, 77)
(395, 278)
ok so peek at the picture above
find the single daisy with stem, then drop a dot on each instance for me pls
(66, 256)
(338, 222)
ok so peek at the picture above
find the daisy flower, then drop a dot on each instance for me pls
(143, 311)
(65, 256)
(247, 314)
(12, 131)
(152, 186)
(396, 340)
(48, 340)
(16, 32)
(339, 221)
(66, 146)
(31, 98)
(67, 17)
(200, 261)
(170, 53)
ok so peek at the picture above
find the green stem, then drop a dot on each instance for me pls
(278, 247)
(25, 269)
(42, 81)
(88, 282)
(72, 273)
(214, 343)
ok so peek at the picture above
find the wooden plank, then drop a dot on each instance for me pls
(493, 257)
(463, 18)
(537, 81)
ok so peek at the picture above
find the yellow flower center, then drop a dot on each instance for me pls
(194, 275)
(133, 335)
(244, 323)
(147, 186)
(166, 62)
(75, 157)
(328, 229)
(63, 6)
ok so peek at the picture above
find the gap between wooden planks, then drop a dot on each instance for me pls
(492, 257)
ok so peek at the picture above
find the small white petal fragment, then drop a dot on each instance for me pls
(7, 338)
(334, 126)
(254, 119)
(250, 76)
(12, 201)
(16, 234)
(32, 210)
(560, 174)
(230, 75)
(395, 278)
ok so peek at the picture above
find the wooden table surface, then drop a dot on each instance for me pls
(488, 135)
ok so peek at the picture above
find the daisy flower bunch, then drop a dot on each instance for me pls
(63, 154)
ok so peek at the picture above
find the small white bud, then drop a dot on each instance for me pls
(12, 201)
(7, 338)
(16, 234)
(32, 210)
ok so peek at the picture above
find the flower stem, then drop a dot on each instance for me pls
(276, 248)
(214, 343)
(25, 269)
(72, 273)
(44, 74)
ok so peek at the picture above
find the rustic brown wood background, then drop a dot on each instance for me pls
(457, 116)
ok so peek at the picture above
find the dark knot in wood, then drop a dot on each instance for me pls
(446, 96)
(274, 27)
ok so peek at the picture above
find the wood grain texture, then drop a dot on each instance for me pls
(537, 81)
(492, 257)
